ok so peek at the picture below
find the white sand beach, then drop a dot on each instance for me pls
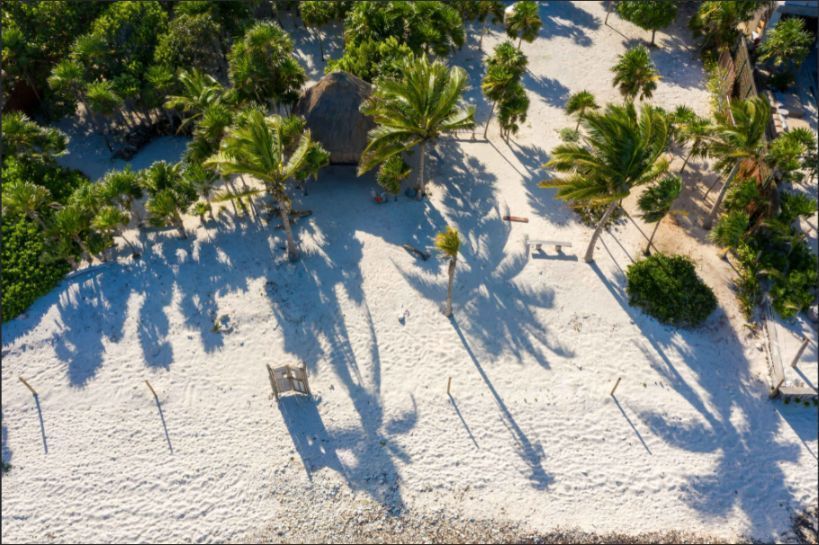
(530, 434)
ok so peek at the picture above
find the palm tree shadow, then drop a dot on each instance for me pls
(567, 20)
(749, 458)
(531, 453)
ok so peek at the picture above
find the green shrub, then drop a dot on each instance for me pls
(668, 288)
(59, 180)
(25, 274)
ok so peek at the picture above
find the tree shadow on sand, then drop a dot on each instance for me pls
(567, 20)
(747, 474)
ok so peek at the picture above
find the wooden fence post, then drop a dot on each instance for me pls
(448, 385)
(24, 381)
(616, 384)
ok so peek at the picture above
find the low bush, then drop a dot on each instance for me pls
(26, 274)
(59, 180)
(668, 288)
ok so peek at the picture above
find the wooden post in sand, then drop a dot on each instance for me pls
(448, 384)
(24, 381)
(801, 351)
(616, 384)
(152, 390)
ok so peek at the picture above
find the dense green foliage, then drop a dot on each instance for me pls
(648, 14)
(668, 288)
(378, 35)
(715, 23)
(787, 45)
(192, 41)
(263, 68)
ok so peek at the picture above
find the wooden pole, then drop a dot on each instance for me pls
(775, 389)
(448, 385)
(801, 351)
(616, 384)
(152, 389)
(33, 391)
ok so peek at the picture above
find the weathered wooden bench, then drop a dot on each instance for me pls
(538, 244)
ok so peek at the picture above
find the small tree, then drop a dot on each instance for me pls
(787, 45)
(730, 230)
(24, 137)
(635, 74)
(26, 199)
(103, 103)
(648, 14)
(192, 42)
(689, 128)
(169, 195)
(198, 92)
(524, 21)
(391, 173)
(579, 104)
(656, 201)
(109, 222)
(512, 111)
(449, 243)
(716, 21)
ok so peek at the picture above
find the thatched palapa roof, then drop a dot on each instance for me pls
(331, 110)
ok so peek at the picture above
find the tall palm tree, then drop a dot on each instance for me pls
(635, 74)
(524, 21)
(449, 243)
(414, 109)
(619, 151)
(273, 149)
(199, 91)
(26, 199)
(656, 201)
(689, 128)
(580, 103)
(739, 145)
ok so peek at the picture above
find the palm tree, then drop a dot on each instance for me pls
(656, 201)
(26, 199)
(635, 74)
(109, 221)
(417, 108)
(486, 10)
(121, 187)
(524, 21)
(165, 208)
(72, 223)
(503, 72)
(67, 80)
(512, 111)
(730, 230)
(22, 136)
(274, 150)
(199, 91)
(618, 151)
(203, 180)
(694, 130)
(740, 146)
(169, 195)
(581, 103)
(449, 243)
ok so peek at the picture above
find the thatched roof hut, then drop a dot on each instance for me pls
(331, 110)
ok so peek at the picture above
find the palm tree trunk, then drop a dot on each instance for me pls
(489, 119)
(687, 157)
(651, 238)
(422, 182)
(519, 41)
(599, 229)
(321, 44)
(712, 216)
(653, 32)
(448, 311)
(292, 251)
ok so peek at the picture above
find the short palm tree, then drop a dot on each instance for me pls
(22, 136)
(579, 104)
(110, 221)
(618, 151)
(169, 195)
(635, 74)
(693, 130)
(523, 22)
(203, 181)
(655, 203)
(449, 243)
(103, 102)
(198, 92)
(273, 149)
(72, 223)
(414, 109)
(26, 199)
(739, 146)
(121, 187)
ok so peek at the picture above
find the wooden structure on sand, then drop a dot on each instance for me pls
(288, 378)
